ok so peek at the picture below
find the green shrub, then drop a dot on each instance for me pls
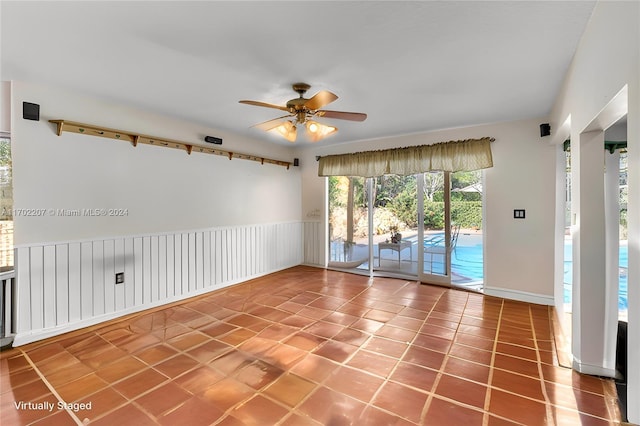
(467, 214)
(405, 207)
(433, 214)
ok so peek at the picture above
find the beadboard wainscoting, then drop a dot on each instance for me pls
(314, 243)
(65, 286)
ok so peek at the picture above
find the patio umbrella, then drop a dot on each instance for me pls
(474, 187)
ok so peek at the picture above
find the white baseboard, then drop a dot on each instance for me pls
(593, 370)
(522, 296)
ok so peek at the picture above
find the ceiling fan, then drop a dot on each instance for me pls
(303, 111)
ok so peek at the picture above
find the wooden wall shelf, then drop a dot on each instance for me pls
(135, 139)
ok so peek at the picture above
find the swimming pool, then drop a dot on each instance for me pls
(467, 267)
(467, 260)
(623, 277)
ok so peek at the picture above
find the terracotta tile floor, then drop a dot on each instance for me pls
(307, 346)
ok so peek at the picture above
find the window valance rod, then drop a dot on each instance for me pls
(318, 157)
(451, 156)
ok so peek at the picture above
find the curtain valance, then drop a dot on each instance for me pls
(453, 156)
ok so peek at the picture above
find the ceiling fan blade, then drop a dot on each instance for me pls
(270, 124)
(342, 115)
(320, 99)
(264, 104)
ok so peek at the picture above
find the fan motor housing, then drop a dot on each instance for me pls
(296, 104)
(301, 87)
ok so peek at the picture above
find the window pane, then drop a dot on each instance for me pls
(348, 222)
(395, 224)
(466, 215)
(435, 244)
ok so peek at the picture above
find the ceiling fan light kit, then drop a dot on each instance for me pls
(318, 131)
(301, 111)
(287, 130)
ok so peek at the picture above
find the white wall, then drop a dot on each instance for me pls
(5, 106)
(193, 223)
(162, 189)
(607, 60)
(518, 253)
(314, 206)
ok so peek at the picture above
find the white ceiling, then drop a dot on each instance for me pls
(411, 66)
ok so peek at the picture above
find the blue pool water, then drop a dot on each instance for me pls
(466, 265)
(622, 283)
(466, 259)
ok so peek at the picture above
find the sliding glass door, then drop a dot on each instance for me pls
(348, 223)
(409, 226)
(436, 234)
(395, 224)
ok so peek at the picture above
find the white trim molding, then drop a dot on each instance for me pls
(522, 296)
(592, 370)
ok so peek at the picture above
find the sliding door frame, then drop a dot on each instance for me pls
(431, 278)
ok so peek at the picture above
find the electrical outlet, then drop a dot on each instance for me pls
(119, 277)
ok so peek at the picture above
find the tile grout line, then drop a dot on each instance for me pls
(487, 398)
(129, 400)
(229, 410)
(343, 364)
(540, 372)
(436, 381)
(151, 366)
(494, 351)
(199, 364)
(361, 347)
(427, 402)
(399, 359)
(320, 384)
(549, 405)
(52, 389)
(503, 316)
